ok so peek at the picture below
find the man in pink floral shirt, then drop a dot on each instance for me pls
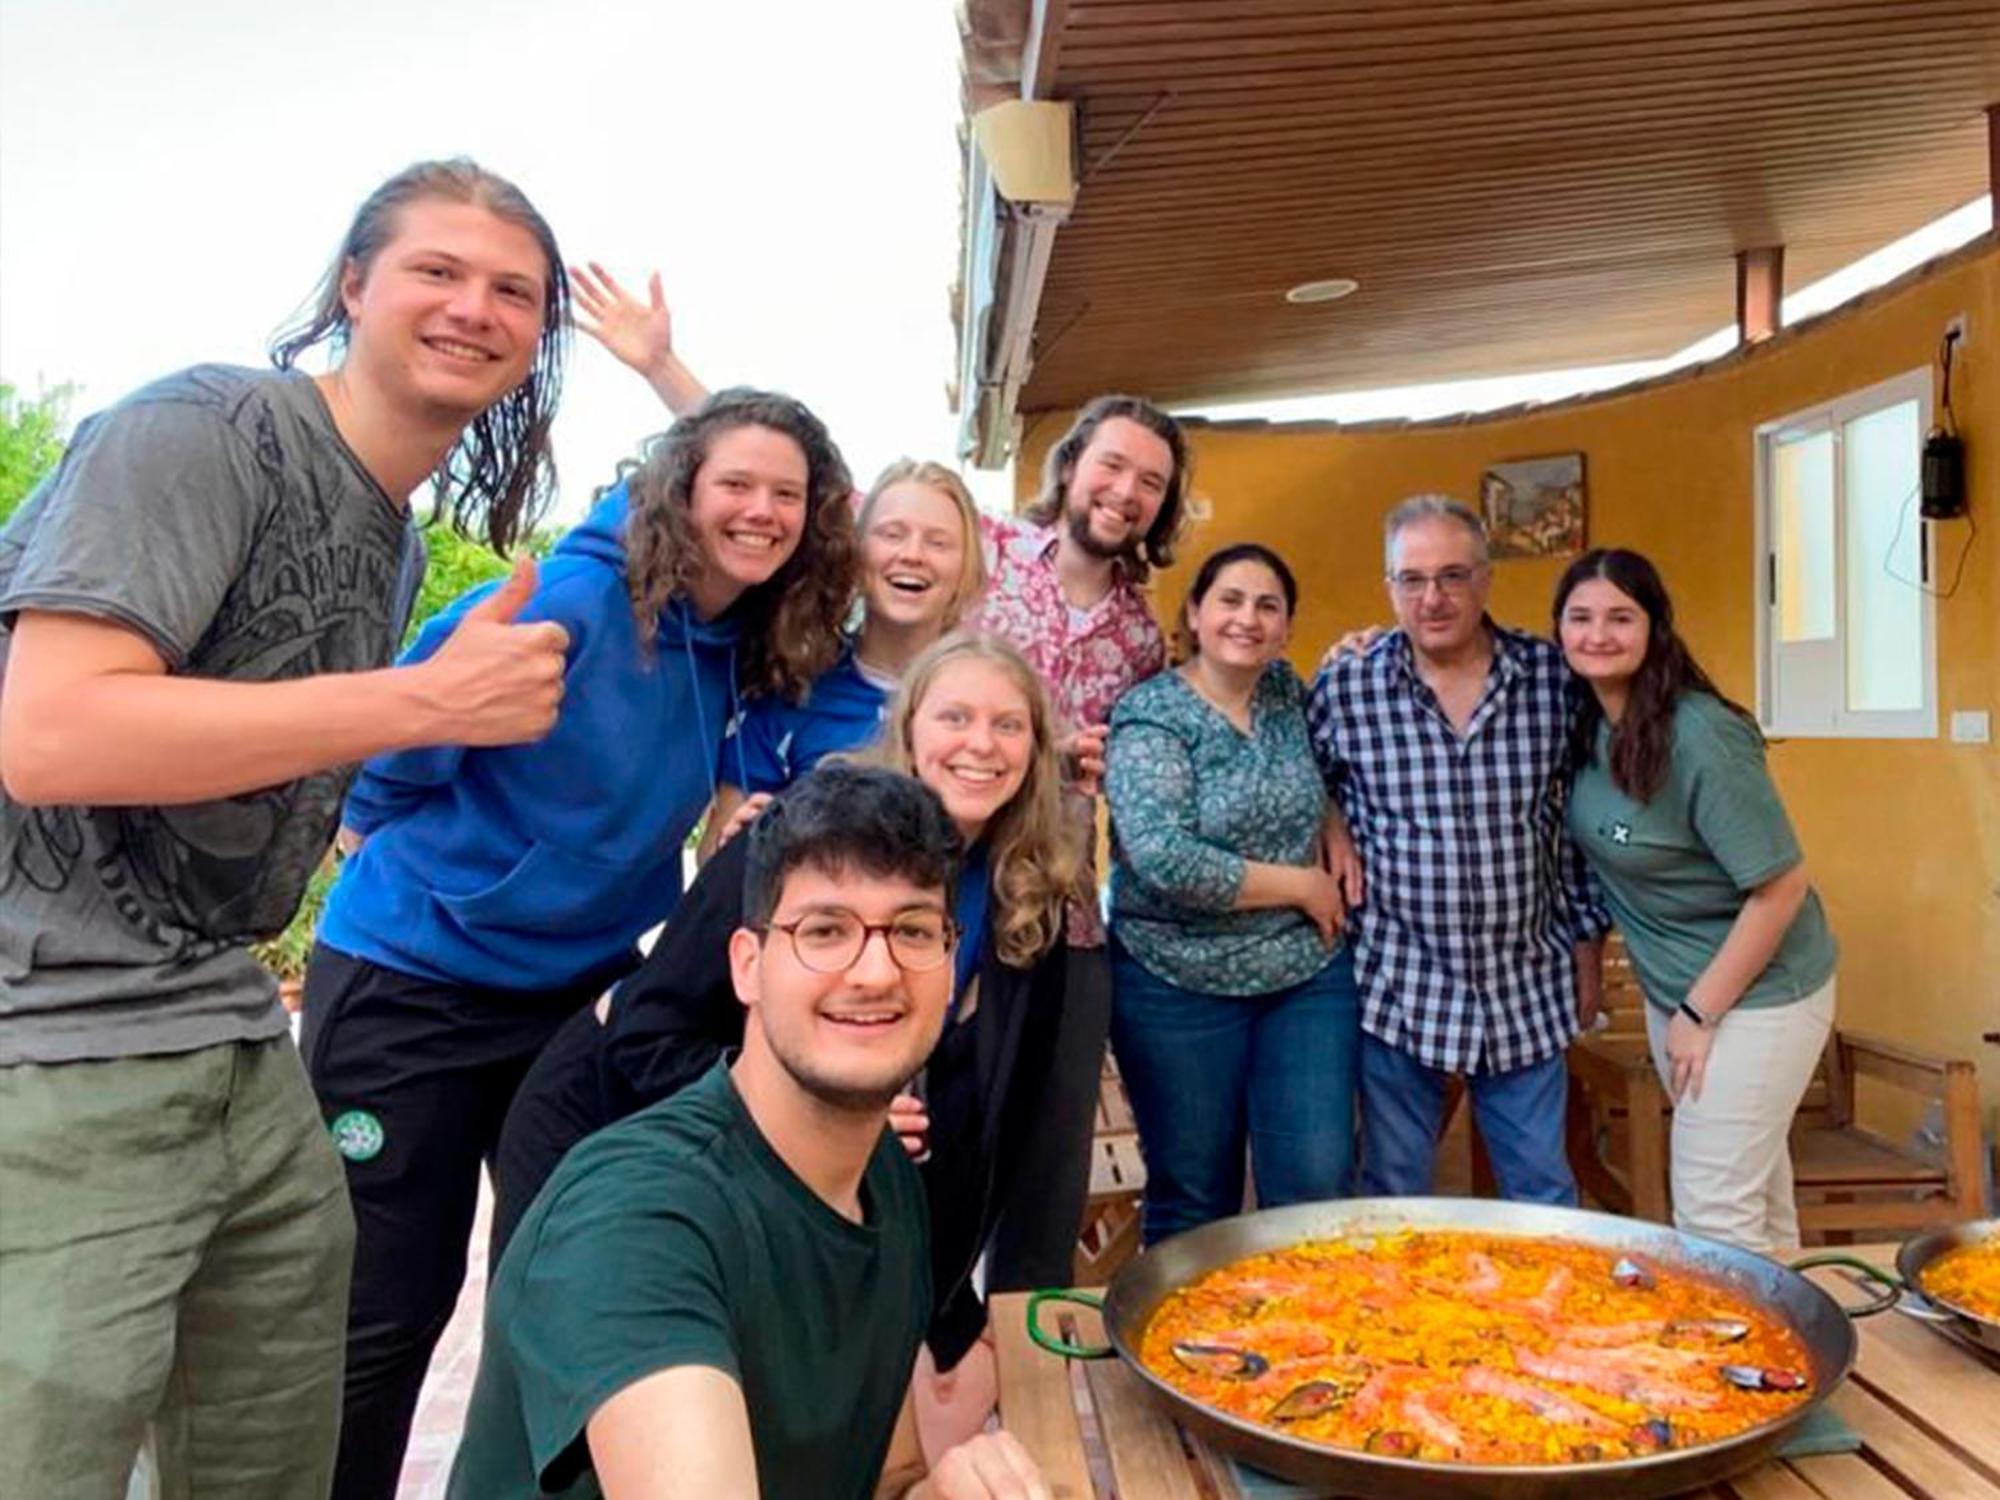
(1066, 579)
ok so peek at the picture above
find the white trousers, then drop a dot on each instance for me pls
(1731, 1162)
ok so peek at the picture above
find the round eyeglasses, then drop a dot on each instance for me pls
(1449, 581)
(829, 941)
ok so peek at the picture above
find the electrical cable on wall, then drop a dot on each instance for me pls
(1958, 569)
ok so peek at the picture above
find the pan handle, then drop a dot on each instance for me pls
(1058, 1346)
(1892, 1285)
(1913, 1306)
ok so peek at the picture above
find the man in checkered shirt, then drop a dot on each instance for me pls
(1479, 940)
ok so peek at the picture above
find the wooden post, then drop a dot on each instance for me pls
(1760, 292)
(1043, 49)
(1993, 151)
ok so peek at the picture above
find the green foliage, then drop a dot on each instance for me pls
(30, 440)
(285, 955)
(458, 565)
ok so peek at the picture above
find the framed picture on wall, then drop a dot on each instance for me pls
(1535, 507)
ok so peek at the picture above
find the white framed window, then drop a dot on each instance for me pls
(1846, 624)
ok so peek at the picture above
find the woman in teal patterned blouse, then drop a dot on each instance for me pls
(1234, 1010)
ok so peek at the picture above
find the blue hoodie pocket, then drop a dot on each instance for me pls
(549, 890)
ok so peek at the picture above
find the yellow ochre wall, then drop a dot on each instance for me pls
(1902, 836)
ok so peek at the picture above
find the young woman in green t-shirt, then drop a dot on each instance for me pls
(1674, 808)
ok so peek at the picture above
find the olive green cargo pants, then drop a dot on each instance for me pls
(175, 1242)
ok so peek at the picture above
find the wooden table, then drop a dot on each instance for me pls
(1927, 1412)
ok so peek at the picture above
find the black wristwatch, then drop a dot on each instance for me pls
(1687, 1009)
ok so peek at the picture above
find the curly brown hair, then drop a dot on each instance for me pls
(790, 622)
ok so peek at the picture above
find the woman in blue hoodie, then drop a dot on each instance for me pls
(496, 891)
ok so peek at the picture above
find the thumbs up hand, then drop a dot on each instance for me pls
(504, 604)
(494, 682)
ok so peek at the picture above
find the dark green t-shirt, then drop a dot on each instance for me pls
(1676, 870)
(678, 1237)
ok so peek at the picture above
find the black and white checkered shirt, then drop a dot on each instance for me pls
(1475, 894)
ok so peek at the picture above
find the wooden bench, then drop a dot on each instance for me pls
(1110, 1234)
(1618, 1113)
(1847, 1177)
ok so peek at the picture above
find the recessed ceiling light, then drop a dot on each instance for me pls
(1330, 290)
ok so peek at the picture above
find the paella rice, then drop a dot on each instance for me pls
(1967, 1279)
(1451, 1346)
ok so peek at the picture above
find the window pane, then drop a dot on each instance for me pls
(1802, 486)
(1885, 619)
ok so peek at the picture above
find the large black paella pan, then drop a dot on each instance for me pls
(1138, 1290)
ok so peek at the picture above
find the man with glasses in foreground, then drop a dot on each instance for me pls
(1479, 941)
(723, 1295)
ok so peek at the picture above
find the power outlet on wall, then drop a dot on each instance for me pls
(1960, 326)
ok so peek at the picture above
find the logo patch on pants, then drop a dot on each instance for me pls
(358, 1135)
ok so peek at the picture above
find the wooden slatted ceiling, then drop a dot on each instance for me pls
(1517, 184)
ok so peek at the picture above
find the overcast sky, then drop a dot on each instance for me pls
(175, 177)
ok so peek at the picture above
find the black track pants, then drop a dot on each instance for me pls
(414, 1078)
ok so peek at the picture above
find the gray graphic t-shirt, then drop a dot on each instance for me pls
(219, 514)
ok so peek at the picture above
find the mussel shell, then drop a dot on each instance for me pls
(1653, 1434)
(1628, 1272)
(1220, 1359)
(1756, 1378)
(1313, 1399)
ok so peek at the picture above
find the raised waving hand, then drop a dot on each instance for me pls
(639, 335)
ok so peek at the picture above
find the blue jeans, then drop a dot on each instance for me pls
(1519, 1113)
(1207, 1074)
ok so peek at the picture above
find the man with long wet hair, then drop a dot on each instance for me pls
(498, 473)
(197, 610)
